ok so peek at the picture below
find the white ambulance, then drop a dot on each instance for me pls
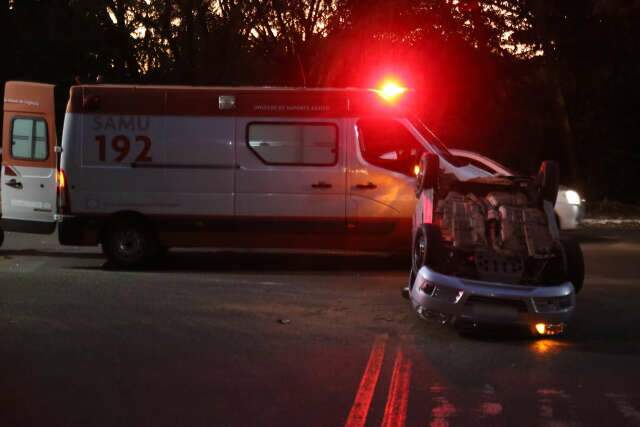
(144, 168)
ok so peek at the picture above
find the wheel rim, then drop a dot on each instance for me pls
(418, 252)
(129, 244)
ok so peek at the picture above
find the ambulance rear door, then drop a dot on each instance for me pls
(29, 158)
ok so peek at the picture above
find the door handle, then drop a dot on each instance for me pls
(15, 184)
(321, 184)
(367, 186)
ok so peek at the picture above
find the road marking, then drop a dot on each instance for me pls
(443, 410)
(624, 407)
(395, 412)
(550, 398)
(362, 402)
(490, 406)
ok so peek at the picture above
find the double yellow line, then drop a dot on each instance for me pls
(395, 411)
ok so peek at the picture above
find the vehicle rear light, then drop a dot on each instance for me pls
(64, 205)
(9, 171)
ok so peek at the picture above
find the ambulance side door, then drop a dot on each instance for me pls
(29, 161)
(381, 182)
(291, 174)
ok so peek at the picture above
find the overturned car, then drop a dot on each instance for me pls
(488, 250)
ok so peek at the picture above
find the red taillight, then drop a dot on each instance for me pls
(9, 171)
(64, 205)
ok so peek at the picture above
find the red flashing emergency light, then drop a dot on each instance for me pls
(390, 90)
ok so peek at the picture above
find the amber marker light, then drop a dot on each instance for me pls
(416, 170)
(549, 328)
(61, 179)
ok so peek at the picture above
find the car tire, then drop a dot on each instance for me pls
(548, 181)
(130, 244)
(1, 236)
(428, 175)
(426, 246)
(558, 221)
(574, 262)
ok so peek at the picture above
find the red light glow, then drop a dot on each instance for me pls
(390, 90)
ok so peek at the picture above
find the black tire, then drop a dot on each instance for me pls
(574, 262)
(428, 176)
(130, 244)
(426, 247)
(412, 279)
(1, 236)
(548, 181)
(433, 171)
(558, 222)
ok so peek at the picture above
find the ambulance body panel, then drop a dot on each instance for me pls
(222, 167)
(29, 160)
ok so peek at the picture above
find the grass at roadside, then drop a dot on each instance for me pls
(613, 210)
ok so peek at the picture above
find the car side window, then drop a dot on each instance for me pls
(29, 139)
(304, 144)
(388, 144)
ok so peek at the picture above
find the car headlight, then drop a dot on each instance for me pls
(573, 198)
(551, 304)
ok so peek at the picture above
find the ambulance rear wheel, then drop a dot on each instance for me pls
(129, 244)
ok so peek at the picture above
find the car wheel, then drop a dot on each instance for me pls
(574, 262)
(428, 174)
(558, 221)
(130, 244)
(548, 181)
(425, 247)
(1, 236)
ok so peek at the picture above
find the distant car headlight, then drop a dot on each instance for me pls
(573, 198)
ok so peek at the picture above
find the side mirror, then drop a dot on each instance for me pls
(428, 173)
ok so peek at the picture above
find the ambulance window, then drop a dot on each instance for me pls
(388, 144)
(29, 139)
(309, 144)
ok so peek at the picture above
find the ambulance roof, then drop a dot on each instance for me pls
(228, 101)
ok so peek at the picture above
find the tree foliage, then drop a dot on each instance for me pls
(519, 80)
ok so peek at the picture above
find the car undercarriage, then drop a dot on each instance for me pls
(489, 249)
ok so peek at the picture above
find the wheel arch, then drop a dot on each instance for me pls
(124, 217)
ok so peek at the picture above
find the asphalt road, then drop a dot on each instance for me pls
(243, 339)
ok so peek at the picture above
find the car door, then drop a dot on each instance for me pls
(381, 183)
(291, 178)
(29, 161)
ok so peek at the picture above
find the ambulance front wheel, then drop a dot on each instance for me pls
(129, 244)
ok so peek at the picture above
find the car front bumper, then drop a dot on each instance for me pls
(450, 298)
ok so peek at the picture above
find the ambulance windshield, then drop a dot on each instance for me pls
(436, 144)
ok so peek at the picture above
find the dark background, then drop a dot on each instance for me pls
(517, 80)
